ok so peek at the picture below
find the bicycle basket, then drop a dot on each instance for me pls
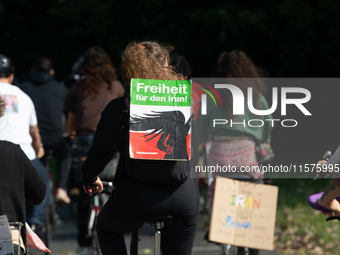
(9, 236)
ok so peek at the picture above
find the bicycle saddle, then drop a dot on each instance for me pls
(167, 220)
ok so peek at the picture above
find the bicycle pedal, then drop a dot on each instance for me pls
(333, 218)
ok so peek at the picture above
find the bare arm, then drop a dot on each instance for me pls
(328, 198)
(36, 143)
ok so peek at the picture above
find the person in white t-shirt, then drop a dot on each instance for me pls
(19, 126)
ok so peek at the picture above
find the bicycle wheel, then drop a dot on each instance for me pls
(95, 244)
(227, 249)
(47, 229)
(52, 219)
(97, 204)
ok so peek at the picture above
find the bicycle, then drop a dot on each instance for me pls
(9, 243)
(79, 146)
(52, 218)
(158, 223)
(96, 205)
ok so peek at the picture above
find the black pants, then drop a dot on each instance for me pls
(83, 144)
(63, 156)
(175, 239)
(84, 213)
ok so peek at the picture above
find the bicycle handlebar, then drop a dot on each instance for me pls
(326, 156)
(108, 188)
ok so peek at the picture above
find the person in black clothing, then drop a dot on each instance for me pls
(135, 201)
(48, 97)
(19, 181)
(96, 87)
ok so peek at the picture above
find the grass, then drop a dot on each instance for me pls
(299, 228)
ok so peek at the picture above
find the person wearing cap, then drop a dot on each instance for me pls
(19, 125)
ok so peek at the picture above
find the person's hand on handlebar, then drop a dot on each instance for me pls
(96, 187)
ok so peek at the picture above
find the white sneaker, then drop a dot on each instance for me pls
(62, 197)
(83, 250)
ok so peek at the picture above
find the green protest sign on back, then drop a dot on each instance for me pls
(160, 119)
(160, 92)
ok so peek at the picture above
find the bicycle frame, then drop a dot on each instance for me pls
(228, 249)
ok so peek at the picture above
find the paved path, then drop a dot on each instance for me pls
(64, 242)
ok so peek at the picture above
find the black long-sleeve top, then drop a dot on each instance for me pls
(19, 181)
(48, 97)
(132, 197)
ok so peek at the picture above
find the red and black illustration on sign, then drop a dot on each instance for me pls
(160, 135)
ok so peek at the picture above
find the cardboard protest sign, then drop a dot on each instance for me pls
(244, 214)
(160, 119)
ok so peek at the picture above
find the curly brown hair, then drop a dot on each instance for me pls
(96, 67)
(2, 106)
(236, 64)
(147, 60)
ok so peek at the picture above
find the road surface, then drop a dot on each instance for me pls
(64, 241)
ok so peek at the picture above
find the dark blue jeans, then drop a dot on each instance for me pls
(36, 213)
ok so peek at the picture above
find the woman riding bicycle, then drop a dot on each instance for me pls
(97, 86)
(234, 145)
(134, 202)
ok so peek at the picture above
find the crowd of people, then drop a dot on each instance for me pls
(40, 113)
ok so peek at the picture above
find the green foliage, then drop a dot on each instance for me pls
(288, 38)
(299, 228)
